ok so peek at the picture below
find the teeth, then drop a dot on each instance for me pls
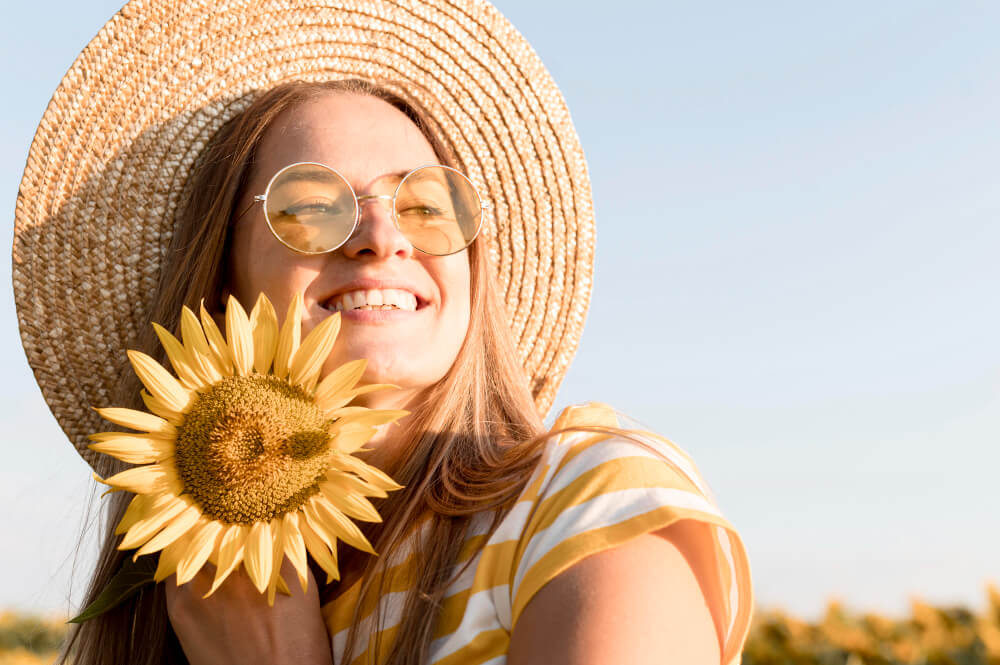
(381, 299)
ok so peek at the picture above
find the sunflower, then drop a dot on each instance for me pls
(245, 457)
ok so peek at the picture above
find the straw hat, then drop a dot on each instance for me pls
(109, 161)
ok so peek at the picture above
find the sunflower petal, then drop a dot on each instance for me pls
(345, 483)
(170, 557)
(157, 515)
(131, 448)
(308, 360)
(240, 336)
(277, 555)
(202, 543)
(366, 472)
(177, 528)
(159, 382)
(216, 341)
(350, 504)
(140, 480)
(264, 324)
(202, 358)
(231, 549)
(323, 554)
(174, 484)
(207, 363)
(370, 418)
(347, 411)
(179, 358)
(289, 337)
(372, 387)
(156, 405)
(337, 523)
(314, 523)
(283, 586)
(192, 333)
(340, 400)
(136, 511)
(257, 557)
(340, 381)
(137, 420)
(295, 549)
(350, 441)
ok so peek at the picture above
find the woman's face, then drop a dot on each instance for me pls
(372, 144)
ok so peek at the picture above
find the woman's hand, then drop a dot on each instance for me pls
(235, 624)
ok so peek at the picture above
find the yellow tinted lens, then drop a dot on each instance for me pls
(310, 208)
(438, 210)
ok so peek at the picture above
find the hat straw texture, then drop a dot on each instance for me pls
(108, 165)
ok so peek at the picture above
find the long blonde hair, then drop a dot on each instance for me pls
(468, 449)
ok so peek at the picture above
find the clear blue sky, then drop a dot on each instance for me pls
(796, 281)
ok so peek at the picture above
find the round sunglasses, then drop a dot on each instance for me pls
(312, 209)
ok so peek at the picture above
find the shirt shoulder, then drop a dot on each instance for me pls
(605, 481)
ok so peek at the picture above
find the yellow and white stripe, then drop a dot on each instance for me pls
(589, 493)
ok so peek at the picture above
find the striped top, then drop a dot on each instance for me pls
(590, 492)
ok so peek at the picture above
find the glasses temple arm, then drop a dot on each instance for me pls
(256, 199)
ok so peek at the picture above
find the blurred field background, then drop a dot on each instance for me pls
(928, 636)
(796, 281)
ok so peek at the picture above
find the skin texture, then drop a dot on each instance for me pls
(642, 602)
(235, 625)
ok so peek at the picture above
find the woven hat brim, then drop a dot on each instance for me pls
(108, 165)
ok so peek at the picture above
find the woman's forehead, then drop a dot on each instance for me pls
(346, 131)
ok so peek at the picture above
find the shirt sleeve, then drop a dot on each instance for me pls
(598, 490)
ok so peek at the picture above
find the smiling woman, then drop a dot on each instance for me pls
(343, 171)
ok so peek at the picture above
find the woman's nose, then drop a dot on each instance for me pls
(377, 234)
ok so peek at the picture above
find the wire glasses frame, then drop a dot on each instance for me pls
(312, 209)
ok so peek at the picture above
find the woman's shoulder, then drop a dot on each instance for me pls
(601, 481)
(595, 442)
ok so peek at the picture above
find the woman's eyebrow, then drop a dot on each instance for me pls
(306, 175)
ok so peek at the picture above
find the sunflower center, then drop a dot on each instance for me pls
(252, 448)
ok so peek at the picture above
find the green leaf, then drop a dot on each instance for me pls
(132, 576)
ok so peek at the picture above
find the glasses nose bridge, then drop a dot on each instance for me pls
(389, 199)
(365, 198)
(375, 197)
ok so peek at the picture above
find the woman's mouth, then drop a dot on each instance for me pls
(373, 299)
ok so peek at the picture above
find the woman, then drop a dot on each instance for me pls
(505, 545)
